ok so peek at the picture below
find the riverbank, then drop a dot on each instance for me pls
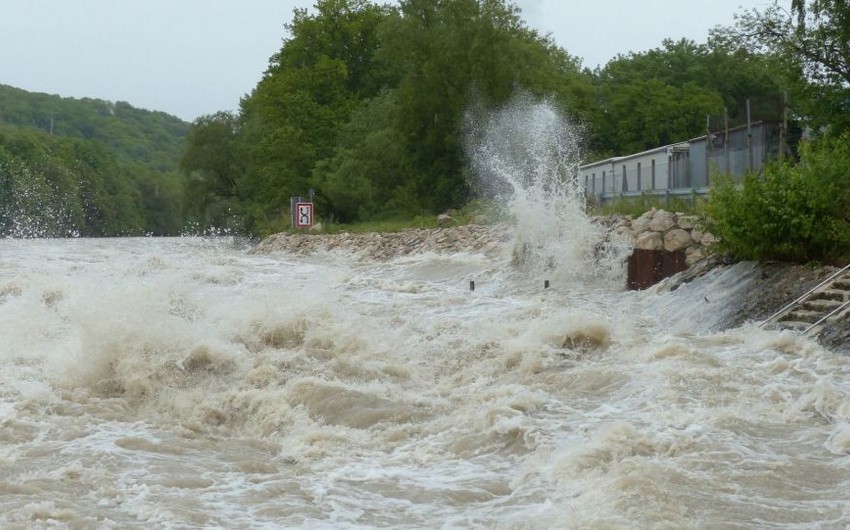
(761, 288)
(487, 239)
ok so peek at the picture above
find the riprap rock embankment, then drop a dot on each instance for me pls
(487, 239)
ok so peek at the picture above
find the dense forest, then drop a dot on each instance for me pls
(88, 167)
(366, 104)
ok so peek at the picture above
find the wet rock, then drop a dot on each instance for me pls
(385, 246)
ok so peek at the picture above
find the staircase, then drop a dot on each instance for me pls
(808, 313)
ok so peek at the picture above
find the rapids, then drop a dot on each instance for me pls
(190, 383)
(186, 383)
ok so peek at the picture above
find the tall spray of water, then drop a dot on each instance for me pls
(525, 156)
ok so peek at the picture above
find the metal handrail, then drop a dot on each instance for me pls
(801, 298)
(823, 319)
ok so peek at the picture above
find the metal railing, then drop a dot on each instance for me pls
(827, 317)
(806, 295)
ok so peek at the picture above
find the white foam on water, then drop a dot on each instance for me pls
(525, 156)
(356, 395)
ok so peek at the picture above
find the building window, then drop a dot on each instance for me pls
(603, 182)
(625, 179)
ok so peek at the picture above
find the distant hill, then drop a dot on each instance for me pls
(88, 167)
(154, 139)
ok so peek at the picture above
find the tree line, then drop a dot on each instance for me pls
(87, 167)
(364, 103)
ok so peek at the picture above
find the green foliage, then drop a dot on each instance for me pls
(809, 46)
(52, 186)
(293, 118)
(791, 213)
(153, 139)
(367, 174)
(663, 96)
(87, 167)
(635, 206)
(365, 104)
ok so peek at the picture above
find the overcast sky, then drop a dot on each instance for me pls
(195, 57)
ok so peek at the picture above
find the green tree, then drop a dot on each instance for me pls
(364, 178)
(663, 95)
(455, 54)
(292, 118)
(212, 160)
(811, 45)
(88, 167)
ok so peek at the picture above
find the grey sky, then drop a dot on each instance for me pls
(195, 57)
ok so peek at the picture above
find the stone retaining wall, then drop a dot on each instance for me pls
(663, 230)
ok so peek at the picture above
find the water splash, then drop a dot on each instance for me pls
(525, 156)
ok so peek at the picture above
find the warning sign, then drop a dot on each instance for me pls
(303, 214)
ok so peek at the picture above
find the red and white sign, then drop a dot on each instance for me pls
(303, 214)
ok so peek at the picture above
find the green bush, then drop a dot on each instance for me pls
(796, 213)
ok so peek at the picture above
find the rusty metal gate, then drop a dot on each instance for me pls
(648, 267)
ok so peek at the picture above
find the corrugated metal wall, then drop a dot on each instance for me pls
(683, 168)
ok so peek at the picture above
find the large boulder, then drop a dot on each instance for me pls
(708, 239)
(694, 254)
(650, 241)
(676, 239)
(687, 222)
(662, 221)
(641, 224)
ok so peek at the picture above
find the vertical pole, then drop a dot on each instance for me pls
(709, 148)
(726, 139)
(783, 145)
(749, 138)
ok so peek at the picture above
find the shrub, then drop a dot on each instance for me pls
(791, 212)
